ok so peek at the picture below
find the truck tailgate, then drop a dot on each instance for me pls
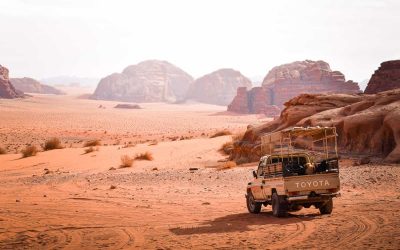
(312, 182)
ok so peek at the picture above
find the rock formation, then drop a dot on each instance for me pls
(387, 77)
(7, 90)
(127, 106)
(30, 85)
(218, 87)
(148, 81)
(289, 80)
(366, 124)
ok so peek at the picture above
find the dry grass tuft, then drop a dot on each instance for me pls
(147, 156)
(92, 143)
(221, 133)
(53, 143)
(227, 165)
(226, 148)
(126, 161)
(2, 151)
(90, 150)
(237, 137)
(29, 151)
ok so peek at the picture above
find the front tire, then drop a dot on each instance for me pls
(253, 206)
(327, 207)
(279, 205)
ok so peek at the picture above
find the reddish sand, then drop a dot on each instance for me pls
(63, 198)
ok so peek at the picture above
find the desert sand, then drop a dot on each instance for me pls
(65, 198)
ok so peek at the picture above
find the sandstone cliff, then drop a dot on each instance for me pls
(30, 85)
(7, 90)
(148, 81)
(218, 87)
(386, 77)
(289, 80)
(366, 124)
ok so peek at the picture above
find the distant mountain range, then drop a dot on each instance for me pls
(71, 81)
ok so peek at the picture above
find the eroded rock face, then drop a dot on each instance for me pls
(366, 124)
(148, 81)
(218, 87)
(31, 85)
(386, 77)
(7, 90)
(289, 80)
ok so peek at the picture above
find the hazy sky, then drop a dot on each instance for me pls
(43, 38)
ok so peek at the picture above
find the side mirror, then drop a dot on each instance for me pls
(254, 174)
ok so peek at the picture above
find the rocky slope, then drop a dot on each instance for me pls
(148, 81)
(31, 85)
(386, 77)
(289, 80)
(7, 90)
(366, 124)
(218, 87)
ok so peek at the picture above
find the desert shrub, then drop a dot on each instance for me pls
(2, 151)
(147, 156)
(227, 165)
(221, 133)
(29, 151)
(92, 143)
(126, 161)
(237, 137)
(226, 148)
(242, 160)
(53, 143)
(89, 150)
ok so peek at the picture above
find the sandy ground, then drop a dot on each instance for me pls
(67, 199)
(73, 120)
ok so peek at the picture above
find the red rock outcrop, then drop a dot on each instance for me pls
(7, 90)
(386, 77)
(258, 100)
(366, 124)
(289, 80)
(31, 85)
(148, 81)
(218, 87)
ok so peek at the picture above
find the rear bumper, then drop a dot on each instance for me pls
(306, 198)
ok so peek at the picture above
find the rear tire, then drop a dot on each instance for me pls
(253, 206)
(279, 205)
(327, 207)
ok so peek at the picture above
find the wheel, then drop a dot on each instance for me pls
(253, 206)
(279, 205)
(327, 207)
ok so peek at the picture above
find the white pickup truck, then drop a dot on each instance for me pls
(290, 183)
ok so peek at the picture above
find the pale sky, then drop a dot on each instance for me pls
(93, 38)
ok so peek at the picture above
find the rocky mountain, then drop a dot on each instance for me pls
(386, 77)
(31, 85)
(148, 81)
(7, 90)
(287, 81)
(366, 124)
(218, 87)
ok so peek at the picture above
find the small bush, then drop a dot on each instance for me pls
(227, 165)
(92, 143)
(237, 137)
(147, 156)
(29, 151)
(226, 148)
(221, 133)
(89, 150)
(126, 161)
(2, 151)
(242, 160)
(53, 143)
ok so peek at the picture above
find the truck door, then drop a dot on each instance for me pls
(257, 183)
